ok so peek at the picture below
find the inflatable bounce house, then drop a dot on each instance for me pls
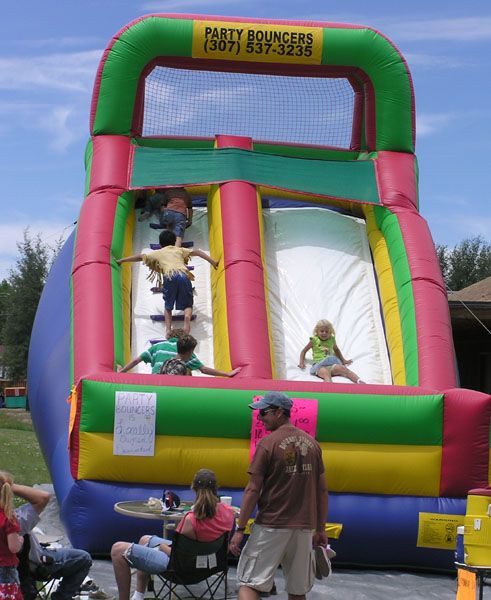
(296, 142)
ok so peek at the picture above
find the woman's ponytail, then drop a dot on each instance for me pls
(205, 486)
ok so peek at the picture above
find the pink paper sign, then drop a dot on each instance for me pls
(303, 415)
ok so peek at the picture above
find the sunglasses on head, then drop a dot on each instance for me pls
(265, 411)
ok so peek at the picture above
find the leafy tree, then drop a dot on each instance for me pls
(466, 263)
(25, 283)
(4, 291)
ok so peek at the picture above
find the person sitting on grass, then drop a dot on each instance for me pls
(181, 346)
(206, 522)
(169, 270)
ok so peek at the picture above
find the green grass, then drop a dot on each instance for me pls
(20, 421)
(20, 453)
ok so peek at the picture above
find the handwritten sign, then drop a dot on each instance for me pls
(302, 415)
(134, 423)
(257, 42)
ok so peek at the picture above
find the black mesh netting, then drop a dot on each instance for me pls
(305, 110)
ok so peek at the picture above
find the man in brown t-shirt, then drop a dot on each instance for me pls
(287, 482)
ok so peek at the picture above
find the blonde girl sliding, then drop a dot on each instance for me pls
(328, 359)
(10, 541)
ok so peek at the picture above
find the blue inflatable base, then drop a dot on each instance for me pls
(383, 534)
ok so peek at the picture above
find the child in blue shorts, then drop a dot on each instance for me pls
(169, 270)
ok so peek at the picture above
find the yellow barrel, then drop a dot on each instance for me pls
(477, 528)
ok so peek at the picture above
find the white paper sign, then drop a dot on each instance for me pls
(202, 561)
(134, 423)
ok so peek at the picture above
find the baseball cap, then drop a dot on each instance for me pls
(273, 399)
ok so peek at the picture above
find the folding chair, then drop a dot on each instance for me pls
(35, 580)
(193, 562)
(45, 584)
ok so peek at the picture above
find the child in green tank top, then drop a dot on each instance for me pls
(328, 359)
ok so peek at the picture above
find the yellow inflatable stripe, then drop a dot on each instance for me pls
(176, 460)
(126, 285)
(383, 469)
(221, 342)
(388, 296)
(266, 288)
(363, 468)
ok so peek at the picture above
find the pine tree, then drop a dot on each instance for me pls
(4, 291)
(25, 284)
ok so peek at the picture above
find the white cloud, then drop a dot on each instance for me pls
(431, 61)
(69, 72)
(64, 124)
(427, 124)
(56, 122)
(460, 29)
(166, 6)
(475, 225)
(450, 227)
(61, 42)
(463, 29)
(12, 233)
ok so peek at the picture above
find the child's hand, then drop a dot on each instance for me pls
(234, 371)
(347, 362)
(119, 368)
(215, 263)
(301, 366)
(119, 261)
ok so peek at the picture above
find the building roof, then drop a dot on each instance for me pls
(477, 292)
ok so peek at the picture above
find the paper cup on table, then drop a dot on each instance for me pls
(226, 500)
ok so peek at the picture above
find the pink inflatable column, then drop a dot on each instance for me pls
(244, 273)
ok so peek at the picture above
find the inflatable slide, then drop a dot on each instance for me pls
(296, 141)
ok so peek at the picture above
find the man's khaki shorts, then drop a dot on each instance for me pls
(267, 548)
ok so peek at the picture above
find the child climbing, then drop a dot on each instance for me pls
(169, 271)
(177, 213)
(180, 346)
(328, 359)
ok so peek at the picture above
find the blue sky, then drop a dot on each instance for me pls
(49, 52)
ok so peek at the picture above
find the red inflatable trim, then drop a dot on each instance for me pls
(465, 457)
(110, 162)
(93, 335)
(244, 275)
(396, 180)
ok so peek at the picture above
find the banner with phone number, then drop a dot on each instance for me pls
(257, 42)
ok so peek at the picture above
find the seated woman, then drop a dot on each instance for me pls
(206, 522)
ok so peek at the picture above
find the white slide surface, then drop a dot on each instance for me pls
(318, 267)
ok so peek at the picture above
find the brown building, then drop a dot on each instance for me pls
(470, 310)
